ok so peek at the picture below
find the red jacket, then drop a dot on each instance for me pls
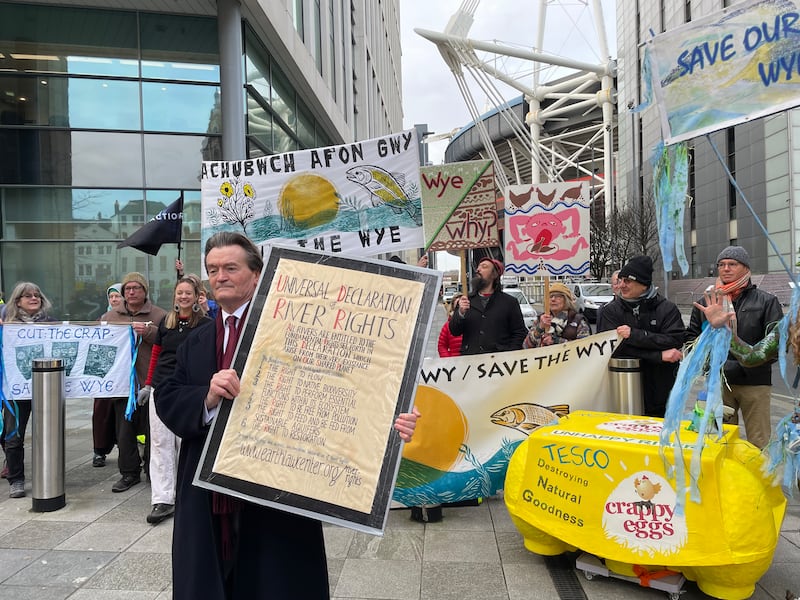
(449, 344)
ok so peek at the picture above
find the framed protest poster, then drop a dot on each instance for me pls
(328, 357)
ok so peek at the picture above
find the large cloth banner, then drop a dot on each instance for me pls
(458, 200)
(477, 409)
(358, 199)
(733, 66)
(547, 228)
(96, 358)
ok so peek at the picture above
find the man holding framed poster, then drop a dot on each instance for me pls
(224, 547)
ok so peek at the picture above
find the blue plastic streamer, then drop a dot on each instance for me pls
(670, 182)
(130, 408)
(783, 461)
(11, 407)
(711, 348)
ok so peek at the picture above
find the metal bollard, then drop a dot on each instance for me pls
(47, 412)
(625, 379)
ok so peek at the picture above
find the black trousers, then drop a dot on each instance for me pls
(104, 427)
(130, 462)
(15, 440)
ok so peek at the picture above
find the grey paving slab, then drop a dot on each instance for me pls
(460, 546)
(141, 571)
(79, 509)
(461, 518)
(337, 540)
(90, 594)
(461, 581)
(105, 537)
(529, 581)
(157, 538)
(403, 545)
(384, 579)
(43, 535)
(27, 592)
(14, 560)
(59, 568)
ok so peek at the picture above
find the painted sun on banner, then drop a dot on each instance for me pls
(733, 66)
(357, 199)
(477, 409)
(459, 200)
(547, 229)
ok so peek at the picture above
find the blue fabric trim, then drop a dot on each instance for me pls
(11, 407)
(130, 408)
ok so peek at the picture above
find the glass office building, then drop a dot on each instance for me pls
(106, 115)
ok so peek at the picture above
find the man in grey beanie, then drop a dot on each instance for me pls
(756, 312)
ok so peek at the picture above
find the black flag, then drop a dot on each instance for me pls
(164, 228)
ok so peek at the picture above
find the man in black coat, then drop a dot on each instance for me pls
(488, 319)
(651, 328)
(255, 551)
(748, 388)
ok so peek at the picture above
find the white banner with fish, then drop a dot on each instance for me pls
(96, 358)
(357, 199)
(547, 228)
(477, 409)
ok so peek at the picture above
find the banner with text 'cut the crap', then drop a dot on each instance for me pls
(460, 207)
(735, 65)
(356, 199)
(96, 358)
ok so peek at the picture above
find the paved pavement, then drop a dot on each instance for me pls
(100, 547)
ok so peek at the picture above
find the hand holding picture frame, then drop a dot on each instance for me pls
(328, 357)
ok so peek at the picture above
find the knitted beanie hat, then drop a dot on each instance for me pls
(736, 253)
(135, 277)
(639, 269)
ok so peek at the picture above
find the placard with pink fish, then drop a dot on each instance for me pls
(547, 228)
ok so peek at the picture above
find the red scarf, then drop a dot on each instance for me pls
(733, 289)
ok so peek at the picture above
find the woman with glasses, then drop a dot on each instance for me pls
(27, 304)
(562, 324)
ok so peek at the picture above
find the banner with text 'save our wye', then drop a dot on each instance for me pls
(735, 65)
(356, 199)
(96, 358)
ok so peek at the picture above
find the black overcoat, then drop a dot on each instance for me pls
(279, 555)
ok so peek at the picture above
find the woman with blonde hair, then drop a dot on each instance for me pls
(26, 304)
(174, 328)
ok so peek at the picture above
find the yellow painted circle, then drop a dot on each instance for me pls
(440, 431)
(308, 200)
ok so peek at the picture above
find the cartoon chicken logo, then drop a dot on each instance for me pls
(646, 490)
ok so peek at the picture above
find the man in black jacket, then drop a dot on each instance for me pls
(756, 310)
(488, 319)
(651, 328)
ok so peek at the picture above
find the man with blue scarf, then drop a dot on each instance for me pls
(651, 328)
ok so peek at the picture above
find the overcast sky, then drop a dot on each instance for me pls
(430, 93)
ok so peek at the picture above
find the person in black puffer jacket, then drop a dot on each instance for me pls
(488, 319)
(651, 328)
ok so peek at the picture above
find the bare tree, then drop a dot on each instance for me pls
(626, 232)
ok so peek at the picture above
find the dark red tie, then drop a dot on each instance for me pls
(233, 337)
